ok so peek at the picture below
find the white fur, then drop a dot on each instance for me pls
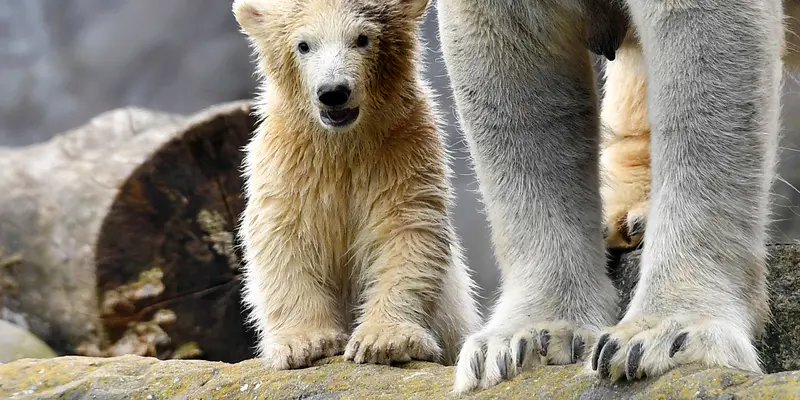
(524, 91)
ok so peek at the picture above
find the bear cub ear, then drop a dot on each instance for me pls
(414, 8)
(247, 14)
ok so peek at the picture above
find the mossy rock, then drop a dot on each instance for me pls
(135, 377)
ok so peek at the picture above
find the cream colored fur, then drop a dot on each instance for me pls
(348, 242)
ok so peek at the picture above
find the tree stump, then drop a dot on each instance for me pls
(123, 235)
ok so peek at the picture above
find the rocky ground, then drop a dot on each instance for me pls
(133, 377)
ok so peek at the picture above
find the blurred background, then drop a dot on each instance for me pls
(63, 62)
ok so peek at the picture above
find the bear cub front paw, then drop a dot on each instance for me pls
(300, 349)
(378, 343)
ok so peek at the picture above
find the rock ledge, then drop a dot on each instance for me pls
(134, 377)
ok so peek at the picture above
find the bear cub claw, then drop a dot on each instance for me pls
(300, 350)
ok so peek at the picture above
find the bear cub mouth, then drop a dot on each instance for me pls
(339, 118)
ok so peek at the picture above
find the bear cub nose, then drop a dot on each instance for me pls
(333, 95)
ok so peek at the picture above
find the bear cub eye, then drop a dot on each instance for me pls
(362, 41)
(303, 48)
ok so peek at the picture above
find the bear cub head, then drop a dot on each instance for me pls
(340, 63)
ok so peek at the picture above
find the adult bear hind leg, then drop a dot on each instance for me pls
(524, 91)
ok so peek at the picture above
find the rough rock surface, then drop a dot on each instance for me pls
(147, 378)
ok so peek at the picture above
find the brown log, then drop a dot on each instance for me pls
(122, 232)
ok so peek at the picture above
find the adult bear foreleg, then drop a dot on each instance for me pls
(524, 91)
(713, 79)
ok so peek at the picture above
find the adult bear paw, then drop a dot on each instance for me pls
(492, 356)
(650, 346)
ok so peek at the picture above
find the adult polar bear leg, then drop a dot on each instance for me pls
(713, 71)
(524, 90)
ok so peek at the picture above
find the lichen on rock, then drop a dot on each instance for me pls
(134, 377)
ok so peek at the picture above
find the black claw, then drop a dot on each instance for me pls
(544, 342)
(605, 360)
(502, 363)
(678, 343)
(599, 348)
(522, 347)
(636, 226)
(578, 345)
(475, 364)
(633, 362)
